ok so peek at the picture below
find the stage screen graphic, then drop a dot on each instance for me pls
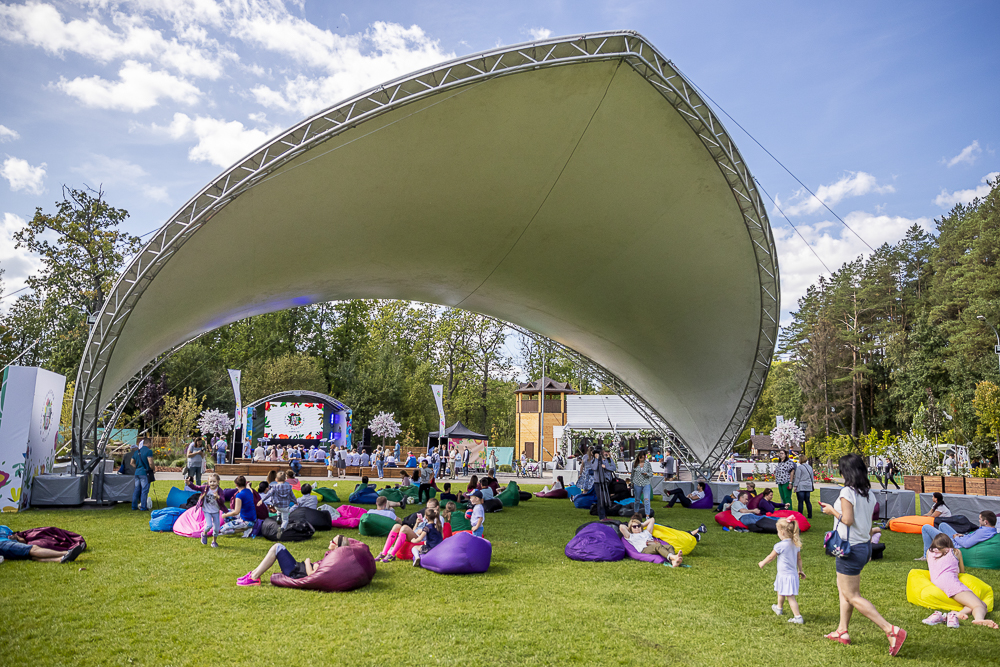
(293, 421)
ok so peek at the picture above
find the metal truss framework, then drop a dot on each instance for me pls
(627, 46)
(314, 394)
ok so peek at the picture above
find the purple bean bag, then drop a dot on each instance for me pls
(191, 523)
(554, 493)
(350, 516)
(596, 542)
(705, 503)
(462, 553)
(634, 554)
(343, 569)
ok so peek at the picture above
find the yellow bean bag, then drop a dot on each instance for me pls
(680, 540)
(910, 524)
(921, 592)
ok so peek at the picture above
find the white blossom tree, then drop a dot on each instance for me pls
(786, 434)
(384, 425)
(915, 454)
(215, 422)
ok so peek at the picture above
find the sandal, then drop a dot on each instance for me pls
(896, 638)
(841, 637)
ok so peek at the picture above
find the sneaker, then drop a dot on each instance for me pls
(416, 559)
(248, 580)
(702, 529)
(697, 537)
(952, 619)
(936, 618)
(74, 552)
(215, 545)
(777, 610)
(798, 620)
(204, 539)
(922, 558)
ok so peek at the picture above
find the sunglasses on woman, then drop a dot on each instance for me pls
(633, 526)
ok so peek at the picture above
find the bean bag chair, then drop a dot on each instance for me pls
(393, 495)
(595, 542)
(191, 523)
(295, 531)
(767, 525)
(270, 529)
(705, 503)
(554, 493)
(179, 497)
(48, 537)
(375, 525)
(878, 550)
(921, 592)
(162, 521)
(493, 505)
(585, 501)
(726, 519)
(318, 519)
(328, 495)
(295, 484)
(350, 517)
(524, 495)
(754, 502)
(364, 496)
(462, 553)
(984, 555)
(909, 524)
(573, 490)
(680, 540)
(343, 569)
(410, 491)
(803, 522)
(459, 520)
(960, 523)
(635, 554)
(614, 523)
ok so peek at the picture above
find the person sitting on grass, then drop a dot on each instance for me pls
(640, 535)
(945, 564)
(289, 566)
(12, 548)
(447, 494)
(307, 499)
(382, 508)
(428, 532)
(938, 509)
(470, 487)
(766, 504)
(262, 487)
(744, 515)
(243, 507)
(751, 491)
(686, 500)
(987, 529)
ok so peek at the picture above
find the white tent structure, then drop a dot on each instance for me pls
(590, 156)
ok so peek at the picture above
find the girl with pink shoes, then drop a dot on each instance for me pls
(945, 564)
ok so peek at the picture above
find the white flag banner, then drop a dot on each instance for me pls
(235, 377)
(438, 391)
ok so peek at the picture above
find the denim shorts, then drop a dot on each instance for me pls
(14, 550)
(853, 563)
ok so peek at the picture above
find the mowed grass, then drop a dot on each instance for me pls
(142, 598)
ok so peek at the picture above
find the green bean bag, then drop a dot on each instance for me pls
(393, 495)
(329, 495)
(985, 555)
(409, 491)
(510, 496)
(459, 522)
(375, 525)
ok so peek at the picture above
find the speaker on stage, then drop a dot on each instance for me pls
(366, 442)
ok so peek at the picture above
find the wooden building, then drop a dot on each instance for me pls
(529, 415)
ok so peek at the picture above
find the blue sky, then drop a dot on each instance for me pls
(889, 111)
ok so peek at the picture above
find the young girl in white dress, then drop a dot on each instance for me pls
(789, 554)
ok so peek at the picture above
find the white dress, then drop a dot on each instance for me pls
(787, 581)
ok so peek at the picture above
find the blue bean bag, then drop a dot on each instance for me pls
(364, 495)
(162, 521)
(179, 497)
(596, 542)
(573, 490)
(585, 501)
(462, 553)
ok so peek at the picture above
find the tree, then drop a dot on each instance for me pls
(384, 425)
(987, 405)
(264, 377)
(180, 413)
(215, 422)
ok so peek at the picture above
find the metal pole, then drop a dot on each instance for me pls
(541, 418)
(997, 350)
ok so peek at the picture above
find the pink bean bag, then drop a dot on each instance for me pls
(191, 523)
(634, 554)
(343, 569)
(554, 493)
(726, 518)
(350, 516)
(803, 522)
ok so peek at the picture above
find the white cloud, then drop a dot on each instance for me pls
(949, 199)
(835, 245)
(17, 263)
(22, 176)
(968, 154)
(116, 171)
(855, 184)
(7, 134)
(219, 142)
(539, 33)
(138, 88)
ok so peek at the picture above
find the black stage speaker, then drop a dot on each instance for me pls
(366, 442)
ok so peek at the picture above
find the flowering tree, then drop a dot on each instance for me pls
(215, 422)
(914, 454)
(786, 434)
(385, 425)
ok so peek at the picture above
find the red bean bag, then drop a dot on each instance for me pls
(910, 524)
(350, 516)
(343, 569)
(554, 493)
(725, 518)
(803, 522)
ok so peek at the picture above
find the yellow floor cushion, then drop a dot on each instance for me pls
(921, 592)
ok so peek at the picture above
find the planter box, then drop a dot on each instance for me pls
(992, 486)
(954, 485)
(933, 483)
(913, 483)
(975, 486)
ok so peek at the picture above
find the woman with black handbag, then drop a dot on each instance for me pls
(851, 543)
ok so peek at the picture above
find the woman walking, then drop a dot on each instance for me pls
(802, 485)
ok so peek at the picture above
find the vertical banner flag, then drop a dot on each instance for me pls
(235, 377)
(438, 390)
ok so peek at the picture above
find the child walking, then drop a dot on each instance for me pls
(212, 502)
(789, 554)
(945, 564)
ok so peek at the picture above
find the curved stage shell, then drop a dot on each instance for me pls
(578, 187)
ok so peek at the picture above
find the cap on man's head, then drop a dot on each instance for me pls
(134, 446)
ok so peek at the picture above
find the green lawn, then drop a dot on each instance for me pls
(136, 597)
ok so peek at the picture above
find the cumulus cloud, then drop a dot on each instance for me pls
(116, 171)
(539, 33)
(7, 134)
(22, 176)
(947, 199)
(138, 88)
(854, 184)
(17, 263)
(219, 142)
(968, 155)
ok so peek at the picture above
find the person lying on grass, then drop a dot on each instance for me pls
(640, 535)
(289, 566)
(945, 564)
(12, 548)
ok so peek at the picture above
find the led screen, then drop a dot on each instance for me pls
(293, 421)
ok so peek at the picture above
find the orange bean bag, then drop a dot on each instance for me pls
(910, 524)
